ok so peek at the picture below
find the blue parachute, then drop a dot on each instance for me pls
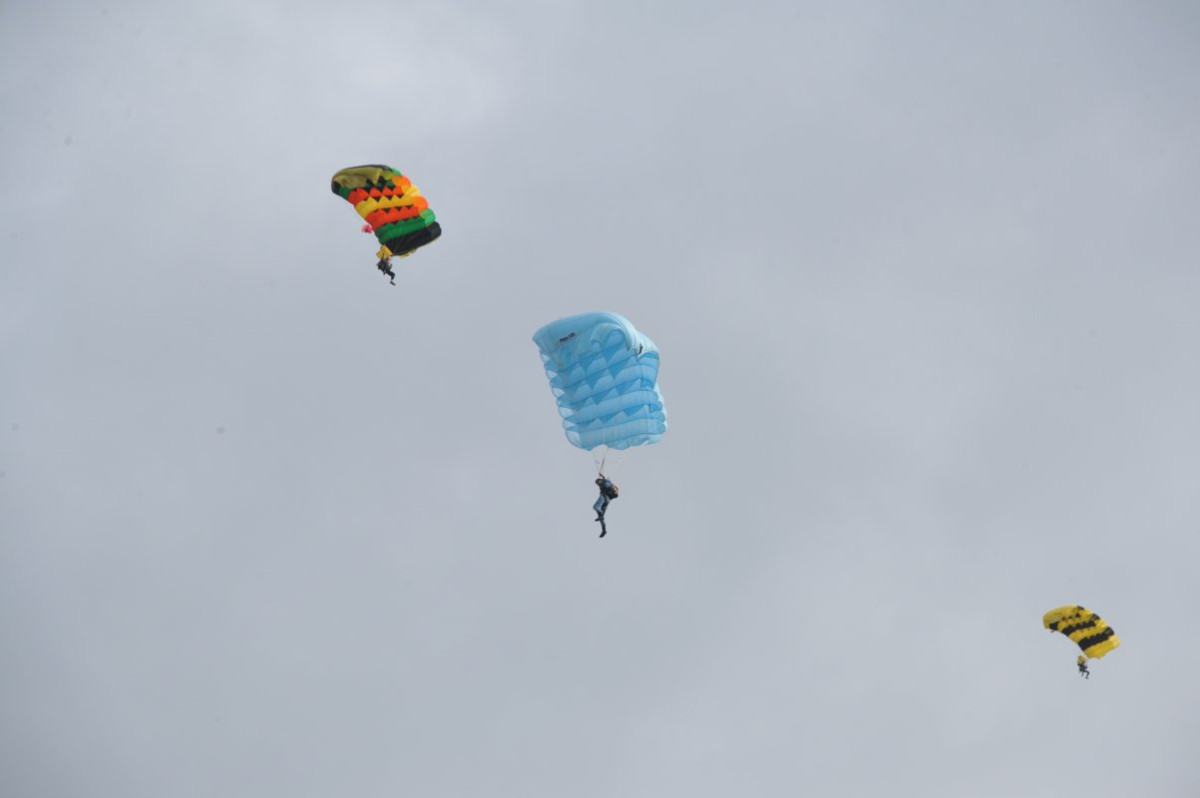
(604, 374)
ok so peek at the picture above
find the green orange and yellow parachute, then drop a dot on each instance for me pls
(1085, 628)
(393, 208)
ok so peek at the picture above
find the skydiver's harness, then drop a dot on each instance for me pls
(612, 491)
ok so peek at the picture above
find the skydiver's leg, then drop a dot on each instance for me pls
(603, 527)
(386, 267)
(600, 506)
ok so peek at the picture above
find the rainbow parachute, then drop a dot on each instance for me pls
(392, 207)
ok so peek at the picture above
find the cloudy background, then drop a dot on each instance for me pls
(924, 278)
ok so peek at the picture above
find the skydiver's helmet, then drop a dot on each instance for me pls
(1082, 659)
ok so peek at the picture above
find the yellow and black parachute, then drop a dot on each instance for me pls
(1085, 628)
(392, 206)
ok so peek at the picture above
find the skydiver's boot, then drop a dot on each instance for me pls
(603, 527)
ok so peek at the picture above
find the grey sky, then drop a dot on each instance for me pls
(924, 280)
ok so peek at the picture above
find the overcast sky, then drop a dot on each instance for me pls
(925, 280)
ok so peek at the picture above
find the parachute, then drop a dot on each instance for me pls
(392, 207)
(604, 375)
(1085, 628)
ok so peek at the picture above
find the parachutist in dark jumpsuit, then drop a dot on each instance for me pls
(608, 492)
(385, 266)
(1083, 671)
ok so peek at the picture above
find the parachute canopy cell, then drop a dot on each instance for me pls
(604, 374)
(1085, 628)
(394, 208)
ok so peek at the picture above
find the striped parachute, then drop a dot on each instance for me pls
(604, 374)
(1086, 629)
(392, 207)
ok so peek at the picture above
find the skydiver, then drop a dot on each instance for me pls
(1082, 663)
(385, 266)
(608, 492)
